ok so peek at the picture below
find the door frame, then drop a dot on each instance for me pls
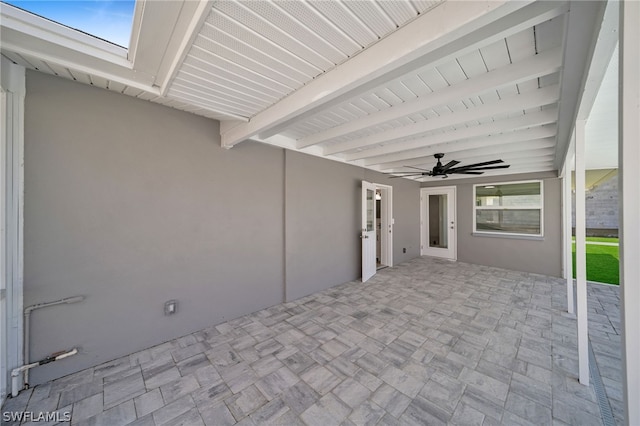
(386, 224)
(368, 236)
(425, 250)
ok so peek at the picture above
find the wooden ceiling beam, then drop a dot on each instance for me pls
(536, 66)
(540, 97)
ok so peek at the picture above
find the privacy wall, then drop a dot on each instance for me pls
(131, 204)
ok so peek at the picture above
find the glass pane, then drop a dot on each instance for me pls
(438, 221)
(371, 203)
(510, 221)
(510, 195)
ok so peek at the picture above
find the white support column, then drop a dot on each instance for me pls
(581, 257)
(567, 243)
(629, 159)
(12, 84)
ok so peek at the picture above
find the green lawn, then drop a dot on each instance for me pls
(602, 262)
(600, 239)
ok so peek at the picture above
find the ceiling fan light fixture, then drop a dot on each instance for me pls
(450, 168)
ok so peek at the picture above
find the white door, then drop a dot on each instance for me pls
(368, 235)
(437, 222)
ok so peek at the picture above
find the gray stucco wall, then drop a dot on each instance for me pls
(323, 198)
(131, 204)
(322, 223)
(539, 256)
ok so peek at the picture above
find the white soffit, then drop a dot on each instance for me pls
(248, 55)
(489, 89)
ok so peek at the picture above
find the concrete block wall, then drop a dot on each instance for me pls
(601, 207)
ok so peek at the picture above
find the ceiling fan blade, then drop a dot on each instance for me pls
(417, 168)
(464, 172)
(403, 176)
(506, 166)
(486, 163)
(449, 165)
(405, 173)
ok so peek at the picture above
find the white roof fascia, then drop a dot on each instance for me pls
(40, 28)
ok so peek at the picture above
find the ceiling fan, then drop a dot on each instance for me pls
(447, 169)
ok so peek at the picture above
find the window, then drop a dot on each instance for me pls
(508, 208)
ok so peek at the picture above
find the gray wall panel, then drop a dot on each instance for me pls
(323, 199)
(538, 256)
(322, 224)
(131, 204)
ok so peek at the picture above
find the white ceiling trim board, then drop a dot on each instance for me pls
(231, 89)
(200, 14)
(259, 40)
(215, 95)
(492, 128)
(227, 75)
(203, 103)
(540, 97)
(440, 26)
(503, 141)
(517, 152)
(441, 51)
(581, 32)
(536, 66)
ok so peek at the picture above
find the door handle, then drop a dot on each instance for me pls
(364, 236)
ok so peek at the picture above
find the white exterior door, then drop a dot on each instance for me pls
(368, 234)
(437, 222)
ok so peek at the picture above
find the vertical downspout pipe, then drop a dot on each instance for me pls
(27, 317)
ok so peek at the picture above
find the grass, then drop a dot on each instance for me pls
(602, 261)
(600, 239)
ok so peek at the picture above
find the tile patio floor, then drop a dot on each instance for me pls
(427, 342)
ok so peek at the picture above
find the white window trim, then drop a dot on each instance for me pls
(510, 234)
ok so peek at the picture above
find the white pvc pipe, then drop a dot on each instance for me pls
(27, 317)
(15, 373)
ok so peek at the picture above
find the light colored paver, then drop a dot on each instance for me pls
(426, 342)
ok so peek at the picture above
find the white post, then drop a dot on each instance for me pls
(629, 159)
(12, 82)
(567, 243)
(581, 257)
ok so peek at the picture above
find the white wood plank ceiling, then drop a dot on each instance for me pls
(382, 84)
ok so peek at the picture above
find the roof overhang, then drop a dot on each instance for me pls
(382, 85)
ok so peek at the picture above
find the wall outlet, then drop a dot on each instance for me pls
(170, 307)
(404, 249)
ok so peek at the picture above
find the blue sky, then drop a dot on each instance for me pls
(110, 20)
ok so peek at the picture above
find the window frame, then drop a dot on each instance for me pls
(509, 234)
